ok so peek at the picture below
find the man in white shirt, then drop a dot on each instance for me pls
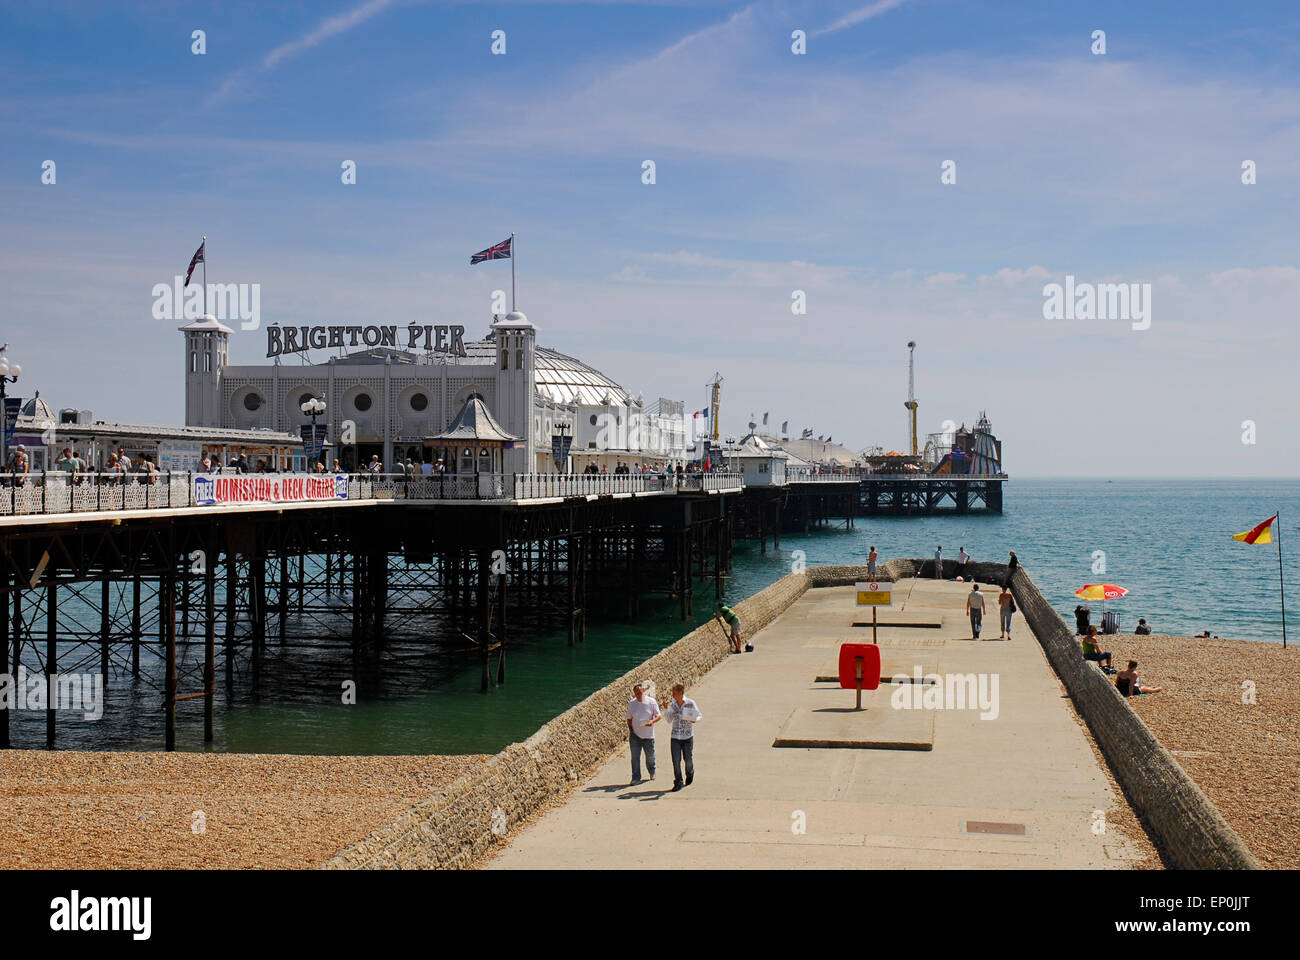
(975, 607)
(683, 714)
(962, 559)
(938, 563)
(642, 715)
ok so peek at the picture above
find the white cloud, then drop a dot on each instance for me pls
(327, 28)
(860, 16)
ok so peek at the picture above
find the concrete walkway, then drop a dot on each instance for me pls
(1018, 790)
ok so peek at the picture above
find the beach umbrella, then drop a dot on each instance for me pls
(1102, 592)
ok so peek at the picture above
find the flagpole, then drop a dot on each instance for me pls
(512, 272)
(1280, 582)
(204, 245)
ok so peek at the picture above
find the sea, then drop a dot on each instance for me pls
(1169, 542)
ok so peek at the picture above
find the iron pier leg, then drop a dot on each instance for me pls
(485, 611)
(209, 642)
(136, 632)
(4, 654)
(501, 629)
(104, 632)
(232, 593)
(167, 606)
(51, 659)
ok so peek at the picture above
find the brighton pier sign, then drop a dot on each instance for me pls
(443, 339)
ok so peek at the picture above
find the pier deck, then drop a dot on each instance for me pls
(864, 808)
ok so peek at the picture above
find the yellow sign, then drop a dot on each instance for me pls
(874, 594)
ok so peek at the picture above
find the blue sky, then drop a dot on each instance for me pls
(775, 172)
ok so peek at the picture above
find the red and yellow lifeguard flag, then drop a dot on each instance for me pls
(1260, 534)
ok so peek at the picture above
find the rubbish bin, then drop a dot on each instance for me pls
(1082, 618)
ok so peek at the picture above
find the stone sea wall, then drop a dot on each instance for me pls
(458, 826)
(1190, 828)
(455, 828)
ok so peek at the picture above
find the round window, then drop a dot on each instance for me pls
(593, 419)
(362, 401)
(252, 401)
(419, 401)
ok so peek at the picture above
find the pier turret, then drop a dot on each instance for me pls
(207, 352)
(515, 338)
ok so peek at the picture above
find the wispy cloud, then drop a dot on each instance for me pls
(859, 16)
(327, 28)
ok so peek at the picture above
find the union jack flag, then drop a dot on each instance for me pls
(500, 251)
(195, 260)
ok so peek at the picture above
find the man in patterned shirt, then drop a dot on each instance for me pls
(683, 714)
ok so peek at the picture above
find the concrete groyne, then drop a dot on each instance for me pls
(457, 827)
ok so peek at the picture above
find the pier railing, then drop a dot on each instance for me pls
(59, 492)
(822, 478)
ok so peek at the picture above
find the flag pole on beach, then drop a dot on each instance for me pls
(205, 275)
(1280, 582)
(512, 271)
(1263, 533)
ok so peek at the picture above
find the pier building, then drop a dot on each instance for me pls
(404, 385)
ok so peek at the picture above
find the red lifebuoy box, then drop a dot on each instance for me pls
(849, 654)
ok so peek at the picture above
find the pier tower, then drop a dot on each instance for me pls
(207, 352)
(516, 342)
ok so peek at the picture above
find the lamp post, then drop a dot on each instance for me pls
(313, 408)
(9, 373)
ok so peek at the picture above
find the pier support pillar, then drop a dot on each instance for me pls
(209, 640)
(484, 612)
(51, 658)
(136, 633)
(502, 580)
(167, 602)
(105, 631)
(4, 654)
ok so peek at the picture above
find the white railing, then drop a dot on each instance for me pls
(63, 493)
(822, 478)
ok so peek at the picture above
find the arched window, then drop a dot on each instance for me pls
(207, 363)
(505, 359)
(194, 362)
(519, 359)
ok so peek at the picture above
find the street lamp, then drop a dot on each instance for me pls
(9, 373)
(313, 408)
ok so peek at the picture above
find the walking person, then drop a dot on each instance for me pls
(963, 558)
(871, 561)
(683, 714)
(1006, 607)
(642, 715)
(975, 608)
(938, 562)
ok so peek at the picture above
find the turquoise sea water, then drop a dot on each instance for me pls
(1168, 542)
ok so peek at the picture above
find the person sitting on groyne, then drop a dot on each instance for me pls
(1128, 683)
(1091, 652)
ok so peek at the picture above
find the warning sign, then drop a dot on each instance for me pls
(874, 594)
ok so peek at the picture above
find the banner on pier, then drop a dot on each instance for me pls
(268, 488)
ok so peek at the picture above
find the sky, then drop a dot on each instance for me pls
(775, 172)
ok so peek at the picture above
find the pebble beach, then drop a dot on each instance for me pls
(94, 810)
(1244, 756)
(201, 811)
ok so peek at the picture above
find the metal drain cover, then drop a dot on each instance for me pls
(993, 826)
